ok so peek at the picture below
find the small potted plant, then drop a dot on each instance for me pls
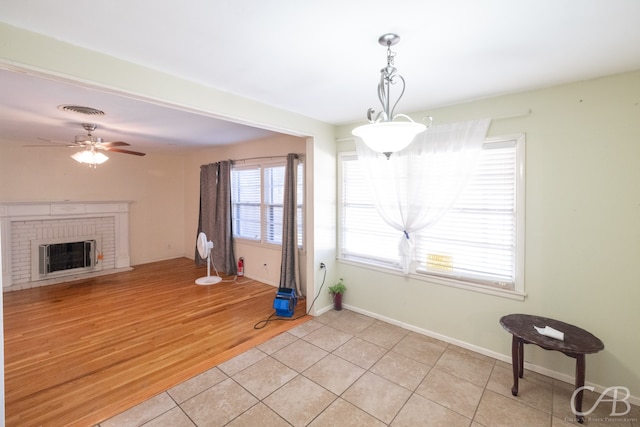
(336, 292)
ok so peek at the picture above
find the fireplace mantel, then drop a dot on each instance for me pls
(28, 212)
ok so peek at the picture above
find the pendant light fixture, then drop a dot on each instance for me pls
(384, 134)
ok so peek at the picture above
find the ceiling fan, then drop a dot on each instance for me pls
(92, 146)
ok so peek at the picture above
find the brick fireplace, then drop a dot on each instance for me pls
(30, 230)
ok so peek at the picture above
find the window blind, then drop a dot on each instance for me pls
(475, 241)
(363, 233)
(273, 203)
(245, 202)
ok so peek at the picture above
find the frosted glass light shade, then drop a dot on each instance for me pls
(388, 137)
(90, 157)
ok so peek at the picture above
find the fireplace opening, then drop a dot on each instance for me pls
(61, 258)
(66, 256)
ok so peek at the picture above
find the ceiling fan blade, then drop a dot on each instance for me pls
(52, 146)
(120, 150)
(90, 142)
(67, 143)
(114, 144)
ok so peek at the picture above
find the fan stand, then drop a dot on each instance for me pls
(209, 279)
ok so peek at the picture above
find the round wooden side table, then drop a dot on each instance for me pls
(577, 342)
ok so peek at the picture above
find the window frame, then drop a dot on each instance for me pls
(262, 165)
(518, 291)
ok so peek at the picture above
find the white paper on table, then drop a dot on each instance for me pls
(550, 332)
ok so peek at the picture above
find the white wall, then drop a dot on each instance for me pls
(582, 232)
(153, 183)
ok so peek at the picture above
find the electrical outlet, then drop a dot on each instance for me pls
(322, 266)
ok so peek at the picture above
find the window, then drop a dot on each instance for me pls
(257, 195)
(479, 242)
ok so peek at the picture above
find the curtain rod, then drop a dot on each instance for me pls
(505, 117)
(263, 157)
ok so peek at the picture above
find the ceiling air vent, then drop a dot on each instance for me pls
(82, 110)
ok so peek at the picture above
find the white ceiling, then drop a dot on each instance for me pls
(317, 58)
(29, 111)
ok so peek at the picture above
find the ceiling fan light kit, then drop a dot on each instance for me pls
(89, 156)
(384, 134)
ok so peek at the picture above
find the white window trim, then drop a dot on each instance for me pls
(518, 293)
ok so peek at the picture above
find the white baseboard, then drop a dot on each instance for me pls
(259, 279)
(569, 379)
(325, 309)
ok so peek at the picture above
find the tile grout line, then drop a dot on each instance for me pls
(357, 334)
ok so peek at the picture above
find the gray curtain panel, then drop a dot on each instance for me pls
(215, 215)
(290, 268)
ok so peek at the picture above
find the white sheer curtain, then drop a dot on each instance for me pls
(417, 185)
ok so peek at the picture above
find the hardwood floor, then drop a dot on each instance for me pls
(80, 352)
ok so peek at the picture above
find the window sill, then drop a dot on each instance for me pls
(257, 243)
(263, 245)
(459, 284)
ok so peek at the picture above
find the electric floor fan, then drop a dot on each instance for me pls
(204, 247)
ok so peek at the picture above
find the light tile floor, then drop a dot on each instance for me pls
(346, 369)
